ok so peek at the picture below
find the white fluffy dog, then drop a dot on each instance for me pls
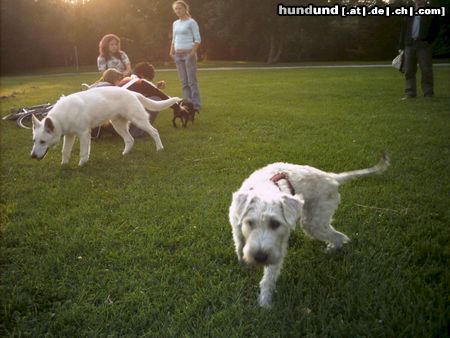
(76, 114)
(271, 201)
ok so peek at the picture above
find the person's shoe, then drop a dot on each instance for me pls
(84, 86)
(407, 97)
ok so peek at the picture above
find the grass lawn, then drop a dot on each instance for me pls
(141, 246)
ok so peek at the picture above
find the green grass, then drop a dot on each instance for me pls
(141, 246)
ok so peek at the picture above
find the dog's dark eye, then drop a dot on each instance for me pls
(274, 225)
(250, 224)
(42, 142)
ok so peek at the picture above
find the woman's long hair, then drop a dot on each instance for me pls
(103, 46)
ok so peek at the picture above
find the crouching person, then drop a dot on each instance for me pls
(141, 81)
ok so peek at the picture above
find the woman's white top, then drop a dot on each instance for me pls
(185, 33)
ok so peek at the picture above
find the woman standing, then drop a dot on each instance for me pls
(185, 43)
(111, 56)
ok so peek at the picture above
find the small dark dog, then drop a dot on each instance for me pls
(185, 113)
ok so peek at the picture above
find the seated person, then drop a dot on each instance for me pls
(146, 71)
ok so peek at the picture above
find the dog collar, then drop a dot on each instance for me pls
(282, 176)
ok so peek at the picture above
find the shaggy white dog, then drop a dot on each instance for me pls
(271, 201)
(76, 114)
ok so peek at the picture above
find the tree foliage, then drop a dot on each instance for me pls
(47, 33)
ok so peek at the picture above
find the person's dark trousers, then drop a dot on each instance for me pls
(419, 52)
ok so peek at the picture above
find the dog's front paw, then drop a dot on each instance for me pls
(333, 247)
(265, 300)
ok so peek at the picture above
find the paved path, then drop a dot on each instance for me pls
(301, 67)
(386, 65)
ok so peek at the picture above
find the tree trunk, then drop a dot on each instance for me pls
(275, 49)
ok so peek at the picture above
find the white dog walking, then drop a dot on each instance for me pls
(269, 203)
(76, 114)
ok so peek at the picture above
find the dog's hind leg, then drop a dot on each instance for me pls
(67, 148)
(145, 125)
(316, 222)
(121, 126)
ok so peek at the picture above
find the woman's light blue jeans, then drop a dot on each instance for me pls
(187, 71)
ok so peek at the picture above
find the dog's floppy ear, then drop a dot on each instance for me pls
(36, 122)
(49, 126)
(239, 207)
(292, 206)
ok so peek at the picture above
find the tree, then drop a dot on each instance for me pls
(45, 33)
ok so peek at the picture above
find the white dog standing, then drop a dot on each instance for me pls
(270, 202)
(76, 114)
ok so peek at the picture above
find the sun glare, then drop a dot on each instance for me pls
(75, 2)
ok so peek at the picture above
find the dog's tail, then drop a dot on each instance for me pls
(156, 105)
(382, 165)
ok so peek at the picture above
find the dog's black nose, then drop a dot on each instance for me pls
(33, 155)
(261, 257)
